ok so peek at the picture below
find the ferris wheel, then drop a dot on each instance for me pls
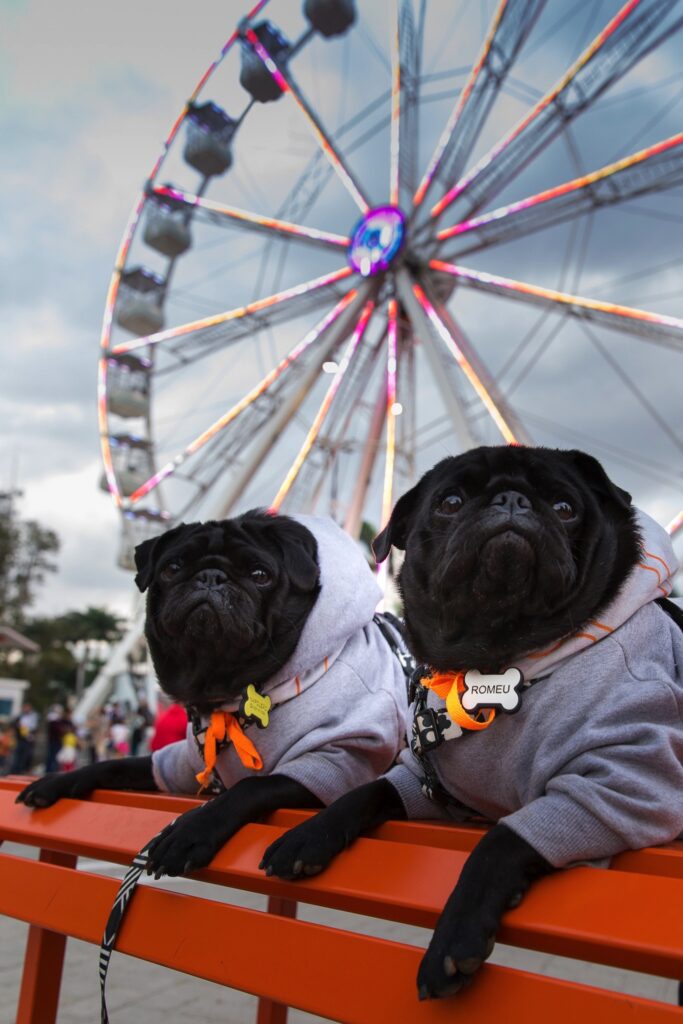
(365, 244)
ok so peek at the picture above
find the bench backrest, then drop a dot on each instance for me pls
(630, 916)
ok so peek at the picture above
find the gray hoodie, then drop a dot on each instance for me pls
(349, 725)
(592, 763)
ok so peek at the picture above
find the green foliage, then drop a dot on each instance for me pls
(26, 556)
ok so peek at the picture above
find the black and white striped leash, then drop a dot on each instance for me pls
(116, 915)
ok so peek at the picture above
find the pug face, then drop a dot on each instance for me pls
(508, 549)
(226, 603)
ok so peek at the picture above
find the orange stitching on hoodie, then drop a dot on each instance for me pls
(650, 568)
(601, 625)
(658, 559)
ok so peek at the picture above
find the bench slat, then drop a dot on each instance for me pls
(662, 860)
(348, 977)
(623, 919)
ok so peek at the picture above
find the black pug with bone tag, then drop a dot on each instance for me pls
(550, 694)
(263, 627)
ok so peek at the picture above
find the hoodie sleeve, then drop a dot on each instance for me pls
(175, 766)
(355, 742)
(623, 786)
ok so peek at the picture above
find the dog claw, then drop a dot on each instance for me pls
(269, 871)
(469, 965)
(297, 867)
(423, 993)
(450, 967)
(188, 867)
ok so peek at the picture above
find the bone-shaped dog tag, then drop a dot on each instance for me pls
(492, 691)
(255, 707)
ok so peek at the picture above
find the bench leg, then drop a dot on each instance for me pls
(42, 975)
(270, 1012)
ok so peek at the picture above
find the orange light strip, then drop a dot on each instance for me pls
(392, 366)
(287, 85)
(244, 402)
(676, 523)
(544, 102)
(465, 365)
(325, 406)
(255, 219)
(395, 46)
(560, 190)
(233, 314)
(506, 285)
(458, 109)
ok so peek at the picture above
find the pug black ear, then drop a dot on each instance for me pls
(396, 531)
(147, 555)
(596, 478)
(299, 551)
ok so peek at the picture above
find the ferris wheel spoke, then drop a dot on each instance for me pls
(511, 23)
(629, 36)
(650, 170)
(676, 524)
(224, 215)
(248, 400)
(199, 327)
(655, 327)
(288, 85)
(405, 49)
(321, 415)
(391, 412)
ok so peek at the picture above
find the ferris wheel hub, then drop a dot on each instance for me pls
(377, 239)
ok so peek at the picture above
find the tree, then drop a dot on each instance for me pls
(26, 556)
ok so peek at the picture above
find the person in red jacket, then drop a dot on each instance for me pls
(169, 727)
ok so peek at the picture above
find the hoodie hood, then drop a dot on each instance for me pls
(347, 600)
(651, 578)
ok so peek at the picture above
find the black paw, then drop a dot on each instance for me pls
(51, 788)
(187, 844)
(455, 954)
(304, 850)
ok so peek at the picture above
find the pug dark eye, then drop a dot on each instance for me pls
(260, 576)
(564, 510)
(170, 570)
(449, 505)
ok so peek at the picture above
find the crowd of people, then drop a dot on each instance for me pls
(31, 743)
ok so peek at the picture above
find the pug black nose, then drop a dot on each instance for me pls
(511, 502)
(211, 577)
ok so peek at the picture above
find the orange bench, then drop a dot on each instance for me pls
(630, 916)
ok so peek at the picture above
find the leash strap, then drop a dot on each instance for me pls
(116, 915)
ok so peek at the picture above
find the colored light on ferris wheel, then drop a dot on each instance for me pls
(376, 240)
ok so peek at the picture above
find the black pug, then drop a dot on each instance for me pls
(263, 627)
(532, 568)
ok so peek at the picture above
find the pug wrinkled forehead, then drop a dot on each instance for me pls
(226, 601)
(507, 547)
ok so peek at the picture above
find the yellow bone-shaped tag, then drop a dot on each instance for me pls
(255, 707)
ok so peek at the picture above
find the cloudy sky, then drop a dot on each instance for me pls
(89, 92)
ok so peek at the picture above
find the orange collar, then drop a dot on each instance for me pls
(449, 686)
(224, 723)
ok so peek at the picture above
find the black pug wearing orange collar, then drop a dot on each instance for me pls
(529, 578)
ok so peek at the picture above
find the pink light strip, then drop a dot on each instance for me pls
(465, 366)
(330, 152)
(248, 399)
(392, 366)
(503, 284)
(325, 406)
(676, 523)
(121, 256)
(394, 186)
(258, 221)
(560, 190)
(234, 314)
(544, 102)
(436, 159)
